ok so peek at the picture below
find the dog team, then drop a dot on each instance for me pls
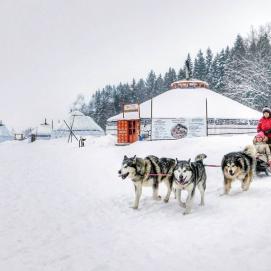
(179, 175)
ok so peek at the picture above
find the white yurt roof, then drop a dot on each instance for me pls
(44, 130)
(191, 103)
(80, 122)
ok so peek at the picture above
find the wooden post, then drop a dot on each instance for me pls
(151, 119)
(139, 122)
(206, 118)
(123, 110)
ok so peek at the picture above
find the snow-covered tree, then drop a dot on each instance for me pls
(199, 67)
(170, 77)
(150, 84)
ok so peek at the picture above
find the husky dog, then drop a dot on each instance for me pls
(188, 175)
(149, 171)
(239, 165)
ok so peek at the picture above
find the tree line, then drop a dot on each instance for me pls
(241, 72)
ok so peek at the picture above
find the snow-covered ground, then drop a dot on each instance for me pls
(64, 208)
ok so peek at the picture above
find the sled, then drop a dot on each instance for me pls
(262, 167)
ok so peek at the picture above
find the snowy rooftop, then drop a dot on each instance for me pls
(80, 122)
(43, 129)
(4, 132)
(191, 103)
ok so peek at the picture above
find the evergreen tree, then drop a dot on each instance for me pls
(190, 66)
(200, 67)
(208, 61)
(214, 73)
(221, 61)
(181, 74)
(159, 85)
(170, 77)
(142, 91)
(150, 85)
(134, 92)
(239, 48)
(263, 46)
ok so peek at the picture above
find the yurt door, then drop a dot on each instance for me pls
(133, 127)
(123, 136)
(128, 131)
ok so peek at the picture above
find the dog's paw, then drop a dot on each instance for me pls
(223, 194)
(201, 204)
(166, 200)
(134, 207)
(186, 212)
(182, 204)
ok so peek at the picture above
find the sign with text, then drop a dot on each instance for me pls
(131, 108)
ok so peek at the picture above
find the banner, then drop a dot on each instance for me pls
(178, 128)
(219, 126)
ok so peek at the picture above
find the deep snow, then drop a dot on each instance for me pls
(64, 208)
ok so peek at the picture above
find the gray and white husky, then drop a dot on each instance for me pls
(150, 171)
(187, 176)
(239, 165)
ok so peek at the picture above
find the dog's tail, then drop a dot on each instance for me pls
(200, 157)
(250, 151)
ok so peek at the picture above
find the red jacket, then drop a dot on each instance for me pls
(264, 125)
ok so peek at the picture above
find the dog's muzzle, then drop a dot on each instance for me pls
(231, 172)
(182, 180)
(123, 176)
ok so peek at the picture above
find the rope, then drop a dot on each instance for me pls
(153, 174)
(212, 166)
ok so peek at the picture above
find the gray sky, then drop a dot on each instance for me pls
(51, 51)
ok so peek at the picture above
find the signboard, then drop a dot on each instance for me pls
(131, 108)
(219, 126)
(178, 128)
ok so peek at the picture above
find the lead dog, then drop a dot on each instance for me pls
(187, 176)
(150, 171)
(239, 165)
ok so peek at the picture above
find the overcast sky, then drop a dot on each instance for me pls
(51, 51)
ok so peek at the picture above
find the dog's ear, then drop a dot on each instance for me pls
(125, 157)
(189, 161)
(134, 158)
(177, 160)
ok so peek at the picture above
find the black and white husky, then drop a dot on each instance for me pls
(150, 171)
(187, 176)
(239, 165)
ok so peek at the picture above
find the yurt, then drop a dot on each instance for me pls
(188, 109)
(80, 125)
(4, 133)
(43, 131)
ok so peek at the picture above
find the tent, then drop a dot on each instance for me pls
(80, 125)
(195, 111)
(4, 133)
(43, 131)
